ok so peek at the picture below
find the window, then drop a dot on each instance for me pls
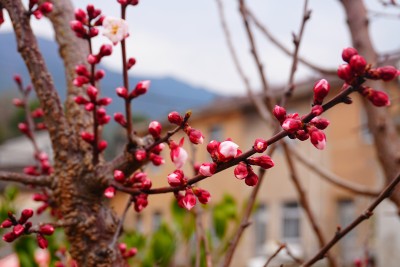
(156, 220)
(216, 133)
(291, 222)
(260, 228)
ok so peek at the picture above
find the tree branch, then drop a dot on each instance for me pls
(333, 178)
(25, 179)
(364, 216)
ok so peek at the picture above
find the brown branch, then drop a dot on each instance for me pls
(281, 246)
(380, 123)
(364, 216)
(262, 110)
(284, 49)
(292, 256)
(25, 179)
(256, 57)
(40, 76)
(305, 204)
(331, 177)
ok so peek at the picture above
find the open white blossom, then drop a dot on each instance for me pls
(115, 29)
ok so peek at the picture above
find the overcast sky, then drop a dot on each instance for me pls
(184, 39)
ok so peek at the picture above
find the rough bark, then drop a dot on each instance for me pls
(77, 188)
(383, 128)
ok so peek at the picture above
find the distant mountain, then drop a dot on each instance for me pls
(165, 94)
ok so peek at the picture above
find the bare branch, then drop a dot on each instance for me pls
(25, 179)
(281, 246)
(364, 216)
(333, 178)
(305, 204)
(284, 49)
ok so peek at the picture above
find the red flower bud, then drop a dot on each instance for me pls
(102, 145)
(7, 223)
(302, 135)
(92, 92)
(155, 129)
(119, 117)
(202, 195)
(348, 52)
(38, 14)
(140, 155)
(41, 241)
(321, 90)
(130, 253)
(18, 229)
(345, 72)
(131, 62)
(99, 74)
(18, 80)
(358, 64)
(378, 98)
(37, 113)
(119, 176)
(207, 169)
(320, 123)
(241, 170)
(24, 128)
(109, 192)
(88, 137)
(260, 145)
(279, 113)
(140, 89)
(387, 73)
(80, 15)
(291, 125)
(264, 161)
(122, 92)
(317, 110)
(195, 136)
(318, 138)
(93, 32)
(46, 7)
(82, 70)
(177, 178)
(46, 229)
(89, 106)
(93, 59)
(175, 118)
(104, 101)
(157, 160)
(25, 215)
(105, 50)
(81, 80)
(9, 237)
(251, 179)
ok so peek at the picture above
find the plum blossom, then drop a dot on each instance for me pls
(115, 29)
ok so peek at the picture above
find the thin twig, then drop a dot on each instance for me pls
(25, 179)
(363, 216)
(121, 222)
(281, 246)
(305, 62)
(305, 204)
(333, 178)
(292, 256)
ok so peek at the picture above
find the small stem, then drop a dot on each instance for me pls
(25, 178)
(120, 223)
(281, 246)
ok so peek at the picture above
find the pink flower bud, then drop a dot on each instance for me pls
(7, 223)
(18, 102)
(18, 229)
(158, 148)
(207, 169)
(41, 241)
(31, 170)
(93, 32)
(92, 92)
(345, 72)
(102, 145)
(227, 150)
(321, 90)
(89, 107)
(317, 110)
(175, 118)
(302, 135)
(212, 147)
(109, 192)
(122, 247)
(387, 73)
(378, 98)
(25, 215)
(189, 200)
(155, 129)
(18, 80)
(292, 125)
(318, 139)
(146, 184)
(119, 117)
(104, 101)
(141, 202)
(131, 62)
(251, 179)
(263, 161)
(202, 195)
(140, 155)
(122, 92)
(279, 113)
(38, 14)
(130, 253)
(80, 15)
(157, 160)
(88, 137)
(81, 70)
(260, 145)
(99, 74)
(81, 80)
(105, 50)
(241, 170)
(140, 89)
(24, 128)
(119, 176)
(9, 237)
(358, 64)
(46, 229)
(46, 7)
(320, 123)
(77, 26)
(177, 178)
(40, 126)
(37, 113)
(348, 52)
(93, 59)
(195, 136)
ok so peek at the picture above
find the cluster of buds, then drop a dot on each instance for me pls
(128, 2)
(195, 136)
(38, 10)
(138, 180)
(296, 128)
(127, 253)
(189, 198)
(44, 167)
(244, 170)
(356, 70)
(23, 227)
(85, 23)
(141, 88)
